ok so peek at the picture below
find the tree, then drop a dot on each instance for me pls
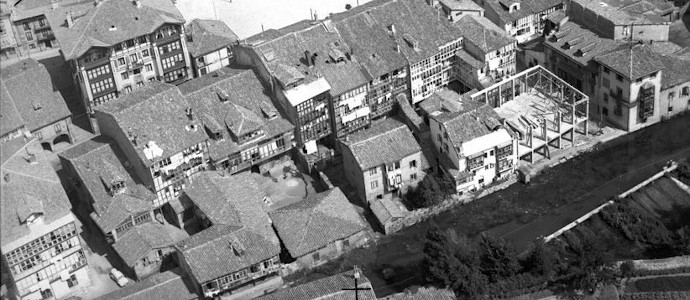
(439, 258)
(498, 258)
(348, 6)
(542, 260)
(590, 267)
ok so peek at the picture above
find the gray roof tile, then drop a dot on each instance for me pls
(471, 122)
(329, 288)
(526, 8)
(633, 61)
(316, 221)
(142, 239)
(28, 88)
(383, 143)
(169, 285)
(583, 44)
(208, 36)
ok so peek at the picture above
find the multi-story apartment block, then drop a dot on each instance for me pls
(160, 136)
(106, 188)
(456, 9)
(624, 20)
(8, 41)
(115, 55)
(40, 236)
(31, 107)
(237, 256)
(629, 87)
(286, 64)
(243, 126)
(32, 30)
(488, 53)
(210, 45)
(383, 159)
(382, 64)
(429, 50)
(570, 52)
(523, 20)
(474, 149)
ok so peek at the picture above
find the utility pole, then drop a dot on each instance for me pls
(357, 288)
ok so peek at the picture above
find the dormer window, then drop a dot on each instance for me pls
(116, 187)
(514, 7)
(223, 95)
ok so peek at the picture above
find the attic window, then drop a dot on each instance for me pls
(236, 247)
(37, 106)
(412, 42)
(223, 95)
(116, 187)
(112, 28)
(336, 55)
(514, 7)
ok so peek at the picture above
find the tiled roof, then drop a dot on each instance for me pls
(407, 113)
(369, 40)
(155, 113)
(316, 221)
(676, 71)
(471, 122)
(461, 5)
(633, 61)
(11, 147)
(483, 33)
(208, 252)
(142, 239)
(329, 288)
(419, 29)
(111, 22)
(246, 93)
(169, 285)
(25, 9)
(29, 88)
(10, 119)
(222, 249)
(430, 293)
(208, 36)
(26, 189)
(385, 210)
(625, 12)
(469, 59)
(383, 143)
(447, 100)
(527, 8)
(579, 44)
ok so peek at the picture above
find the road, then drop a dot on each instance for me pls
(522, 213)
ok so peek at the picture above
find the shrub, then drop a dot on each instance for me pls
(637, 226)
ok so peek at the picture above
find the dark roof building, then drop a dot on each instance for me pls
(169, 285)
(205, 36)
(240, 235)
(152, 117)
(142, 239)
(329, 288)
(676, 71)
(98, 164)
(28, 97)
(631, 61)
(579, 44)
(472, 121)
(110, 22)
(230, 104)
(316, 222)
(383, 143)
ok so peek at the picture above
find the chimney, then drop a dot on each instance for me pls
(70, 20)
(392, 28)
(96, 2)
(137, 3)
(313, 59)
(7, 177)
(54, 4)
(32, 158)
(397, 48)
(307, 57)
(190, 114)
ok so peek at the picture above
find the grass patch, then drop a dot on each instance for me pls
(660, 284)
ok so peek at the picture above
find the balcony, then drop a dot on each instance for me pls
(45, 35)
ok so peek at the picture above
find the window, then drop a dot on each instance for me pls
(619, 92)
(145, 53)
(128, 89)
(98, 71)
(72, 281)
(42, 22)
(413, 177)
(129, 43)
(606, 70)
(413, 164)
(29, 36)
(605, 82)
(32, 46)
(619, 77)
(372, 171)
(148, 68)
(137, 71)
(671, 95)
(491, 153)
(606, 97)
(346, 243)
(140, 84)
(172, 61)
(103, 99)
(58, 128)
(605, 111)
(142, 39)
(316, 256)
(397, 165)
(45, 294)
(685, 91)
(118, 47)
(374, 184)
(26, 26)
(133, 57)
(125, 75)
(102, 85)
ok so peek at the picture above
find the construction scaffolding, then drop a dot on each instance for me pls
(540, 108)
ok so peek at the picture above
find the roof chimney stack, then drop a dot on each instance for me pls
(307, 58)
(96, 2)
(54, 4)
(137, 3)
(70, 20)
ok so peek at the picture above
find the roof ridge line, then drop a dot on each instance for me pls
(304, 232)
(4, 86)
(81, 36)
(27, 175)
